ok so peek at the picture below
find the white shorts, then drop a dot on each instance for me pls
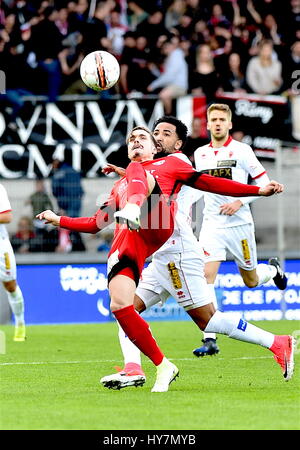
(179, 275)
(8, 270)
(239, 241)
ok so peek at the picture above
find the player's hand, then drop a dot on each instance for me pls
(49, 217)
(228, 209)
(270, 189)
(109, 168)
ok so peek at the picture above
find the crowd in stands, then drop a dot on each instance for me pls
(165, 47)
(168, 47)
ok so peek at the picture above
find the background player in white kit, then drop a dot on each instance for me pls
(8, 270)
(227, 221)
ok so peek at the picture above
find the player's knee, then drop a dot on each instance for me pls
(115, 304)
(251, 283)
(10, 286)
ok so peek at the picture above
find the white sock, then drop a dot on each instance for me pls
(212, 294)
(265, 272)
(16, 302)
(130, 352)
(237, 328)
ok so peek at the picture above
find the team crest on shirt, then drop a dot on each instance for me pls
(180, 294)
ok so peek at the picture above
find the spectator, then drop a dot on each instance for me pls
(185, 29)
(66, 188)
(263, 73)
(173, 82)
(204, 79)
(198, 9)
(39, 200)
(233, 79)
(78, 15)
(291, 21)
(62, 21)
(195, 139)
(217, 18)
(95, 31)
(127, 75)
(47, 42)
(201, 33)
(136, 15)
(174, 13)
(16, 53)
(25, 239)
(152, 27)
(68, 241)
(116, 33)
(270, 30)
(70, 59)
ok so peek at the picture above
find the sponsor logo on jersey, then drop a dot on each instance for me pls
(227, 162)
(159, 163)
(176, 281)
(220, 172)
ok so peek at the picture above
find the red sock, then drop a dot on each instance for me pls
(139, 333)
(137, 183)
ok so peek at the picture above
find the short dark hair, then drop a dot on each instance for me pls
(181, 128)
(145, 129)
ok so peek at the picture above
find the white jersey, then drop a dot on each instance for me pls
(183, 238)
(236, 161)
(4, 206)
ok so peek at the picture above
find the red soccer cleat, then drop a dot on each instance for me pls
(131, 375)
(283, 349)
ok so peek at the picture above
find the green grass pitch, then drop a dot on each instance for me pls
(51, 382)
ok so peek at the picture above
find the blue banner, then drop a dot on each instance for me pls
(77, 293)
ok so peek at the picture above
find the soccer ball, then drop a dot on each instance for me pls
(99, 70)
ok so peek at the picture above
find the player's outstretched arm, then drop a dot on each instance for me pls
(271, 188)
(224, 186)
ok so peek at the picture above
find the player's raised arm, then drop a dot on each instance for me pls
(188, 175)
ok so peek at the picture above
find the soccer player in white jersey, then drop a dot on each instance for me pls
(227, 221)
(8, 270)
(177, 269)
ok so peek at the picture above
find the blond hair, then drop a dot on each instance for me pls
(219, 107)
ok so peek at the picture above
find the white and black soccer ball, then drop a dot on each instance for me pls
(100, 70)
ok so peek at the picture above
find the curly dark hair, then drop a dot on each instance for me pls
(181, 128)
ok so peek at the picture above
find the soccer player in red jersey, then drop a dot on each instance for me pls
(145, 200)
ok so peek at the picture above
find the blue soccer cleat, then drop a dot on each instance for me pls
(209, 348)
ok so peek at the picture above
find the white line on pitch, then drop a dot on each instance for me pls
(113, 361)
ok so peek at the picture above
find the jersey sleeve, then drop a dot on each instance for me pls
(251, 164)
(188, 175)
(5, 205)
(101, 219)
(260, 181)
